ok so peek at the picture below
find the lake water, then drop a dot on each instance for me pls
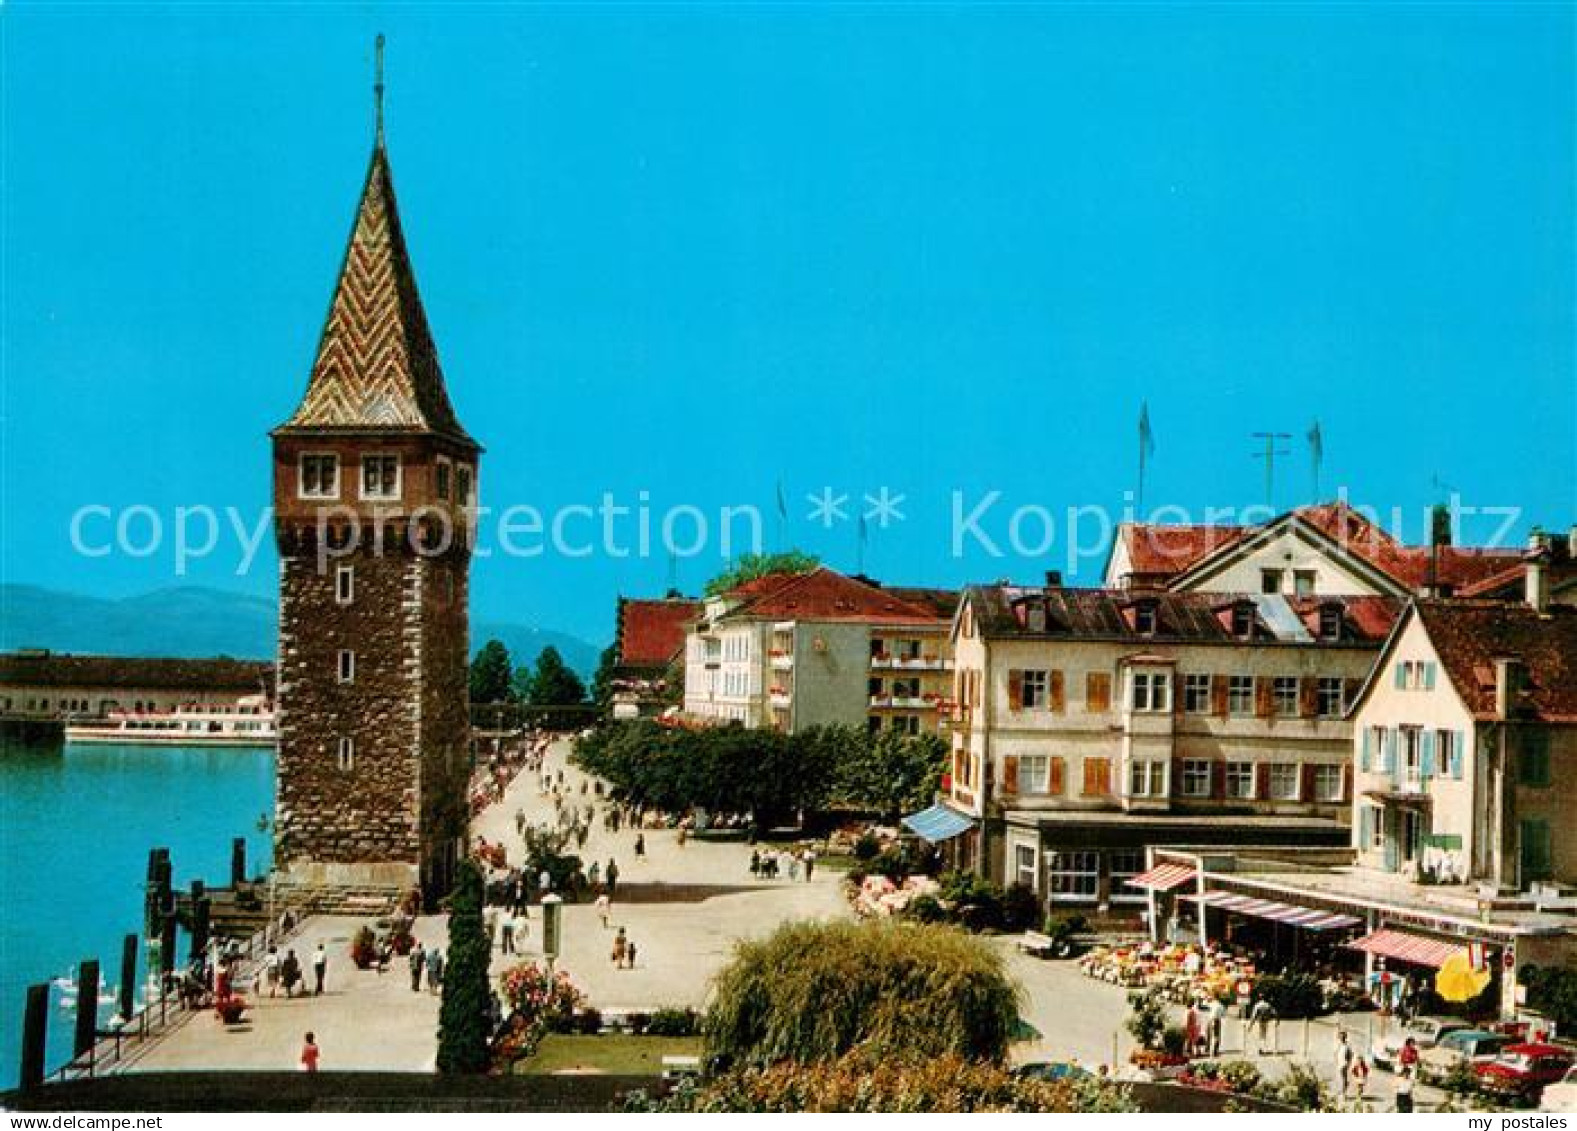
(76, 825)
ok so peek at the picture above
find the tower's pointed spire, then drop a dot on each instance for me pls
(377, 366)
(377, 88)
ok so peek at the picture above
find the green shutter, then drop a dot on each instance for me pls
(1533, 759)
(1400, 676)
(1365, 827)
(1429, 676)
(1426, 742)
(1459, 754)
(1363, 749)
(1534, 840)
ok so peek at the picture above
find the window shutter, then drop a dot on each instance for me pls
(1429, 676)
(1393, 749)
(1365, 827)
(1363, 749)
(1056, 777)
(1426, 742)
(1015, 690)
(1458, 754)
(1308, 696)
(1399, 676)
(1098, 692)
(1097, 777)
(1263, 702)
(1218, 695)
(1057, 693)
(1306, 783)
(1218, 780)
(1178, 682)
(1010, 774)
(1262, 780)
(1350, 689)
(1346, 783)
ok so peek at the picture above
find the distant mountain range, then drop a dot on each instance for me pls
(191, 621)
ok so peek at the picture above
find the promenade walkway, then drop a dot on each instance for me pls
(368, 1021)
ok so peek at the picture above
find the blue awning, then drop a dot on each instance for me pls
(938, 823)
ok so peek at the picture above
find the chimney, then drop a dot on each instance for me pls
(1508, 685)
(1054, 577)
(1536, 573)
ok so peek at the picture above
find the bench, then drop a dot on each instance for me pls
(676, 1067)
(1033, 942)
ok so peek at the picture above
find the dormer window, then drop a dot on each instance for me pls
(1243, 620)
(1146, 618)
(1330, 622)
(1035, 617)
(380, 477)
(319, 476)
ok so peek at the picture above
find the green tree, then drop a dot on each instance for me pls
(490, 674)
(553, 684)
(902, 993)
(890, 772)
(602, 678)
(465, 1008)
(748, 567)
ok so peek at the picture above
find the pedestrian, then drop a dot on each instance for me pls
(435, 970)
(810, 863)
(1404, 1090)
(506, 933)
(755, 862)
(683, 833)
(290, 971)
(1360, 1077)
(309, 1054)
(418, 965)
(1216, 1014)
(640, 846)
(604, 909)
(1408, 1057)
(611, 872)
(1191, 1031)
(320, 967)
(271, 971)
(1344, 1062)
(619, 943)
(629, 954)
(1260, 1017)
(520, 822)
(594, 874)
(793, 867)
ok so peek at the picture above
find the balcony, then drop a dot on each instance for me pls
(781, 661)
(904, 703)
(779, 697)
(887, 661)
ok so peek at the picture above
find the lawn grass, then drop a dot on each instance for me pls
(612, 1054)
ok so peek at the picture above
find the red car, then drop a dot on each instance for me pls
(1521, 1071)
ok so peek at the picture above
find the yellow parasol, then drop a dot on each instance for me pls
(1457, 980)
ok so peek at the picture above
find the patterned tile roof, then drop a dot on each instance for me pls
(377, 366)
(825, 594)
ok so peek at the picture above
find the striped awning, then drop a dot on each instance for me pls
(938, 823)
(1405, 947)
(1305, 917)
(1164, 877)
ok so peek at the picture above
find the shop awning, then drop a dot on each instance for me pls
(1306, 917)
(1164, 877)
(1404, 947)
(938, 823)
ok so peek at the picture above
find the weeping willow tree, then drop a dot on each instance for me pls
(811, 992)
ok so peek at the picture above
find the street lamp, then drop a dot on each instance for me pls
(552, 927)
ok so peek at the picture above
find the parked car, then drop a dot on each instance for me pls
(1050, 1070)
(1426, 1033)
(1459, 1047)
(1521, 1072)
(1562, 1096)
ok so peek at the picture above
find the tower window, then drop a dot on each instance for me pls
(380, 477)
(347, 666)
(319, 476)
(441, 479)
(344, 584)
(462, 485)
(347, 753)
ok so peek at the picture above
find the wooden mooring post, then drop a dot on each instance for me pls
(128, 976)
(87, 1007)
(35, 1030)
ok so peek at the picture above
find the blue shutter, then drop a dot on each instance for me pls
(1427, 754)
(1429, 676)
(1363, 749)
(1458, 754)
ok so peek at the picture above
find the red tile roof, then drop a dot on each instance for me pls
(1469, 636)
(825, 594)
(1161, 551)
(651, 633)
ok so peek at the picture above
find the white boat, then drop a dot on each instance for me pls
(249, 721)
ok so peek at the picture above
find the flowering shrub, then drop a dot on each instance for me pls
(539, 1002)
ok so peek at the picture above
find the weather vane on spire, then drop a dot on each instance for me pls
(377, 84)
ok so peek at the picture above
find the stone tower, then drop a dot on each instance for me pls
(375, 485)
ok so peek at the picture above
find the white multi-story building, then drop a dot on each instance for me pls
(792, 651)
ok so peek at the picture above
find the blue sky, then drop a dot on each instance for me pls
(695, 252)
